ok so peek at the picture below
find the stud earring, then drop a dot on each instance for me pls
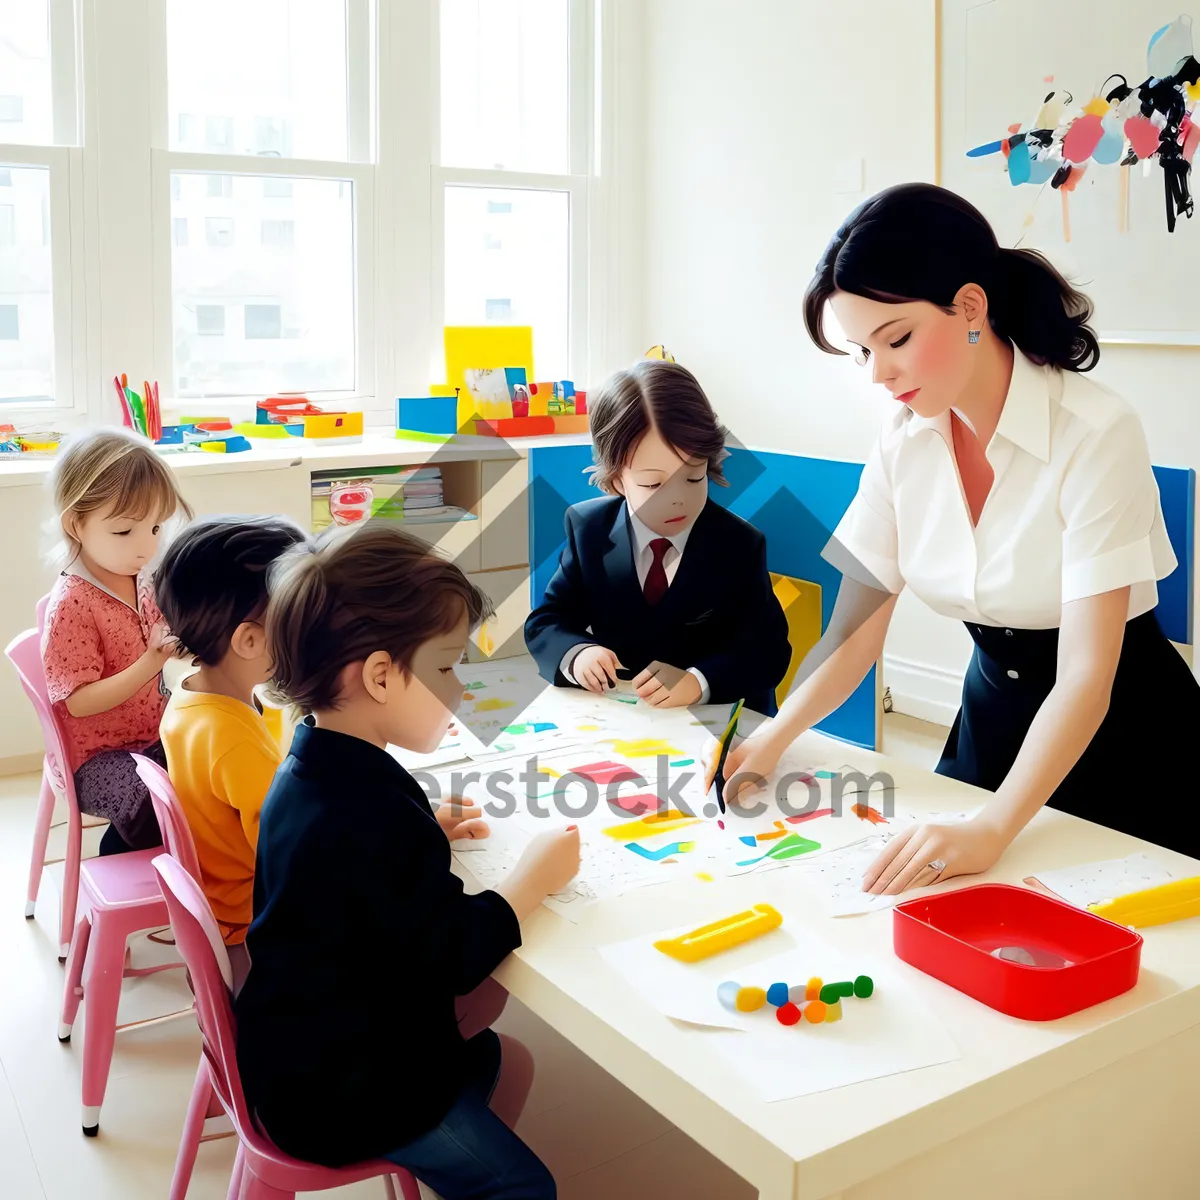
(973, 336)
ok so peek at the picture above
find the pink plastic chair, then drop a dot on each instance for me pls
(261, 1171)
(25, 653)
(172, 823)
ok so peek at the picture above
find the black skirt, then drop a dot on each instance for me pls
(1135, 776)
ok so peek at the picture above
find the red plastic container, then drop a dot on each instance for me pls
(955, 936)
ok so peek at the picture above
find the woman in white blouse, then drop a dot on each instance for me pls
(1013, 494)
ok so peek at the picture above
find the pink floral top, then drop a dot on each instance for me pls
(89, 634)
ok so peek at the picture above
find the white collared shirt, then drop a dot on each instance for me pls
(1074, 509)
(643, 556)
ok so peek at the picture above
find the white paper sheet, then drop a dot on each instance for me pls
(891, 1032)
(1096, 882)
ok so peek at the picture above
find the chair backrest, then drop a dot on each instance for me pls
(172, 822)
(25, 653)
(198, 940)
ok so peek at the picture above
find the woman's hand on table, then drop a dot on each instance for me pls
(966, 848)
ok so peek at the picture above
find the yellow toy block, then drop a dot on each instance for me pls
(334, 425)
(722, 935)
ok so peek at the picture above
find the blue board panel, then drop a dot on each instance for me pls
(1177, 487)
(795, 501)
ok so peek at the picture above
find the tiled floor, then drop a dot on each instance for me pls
(598, 1138)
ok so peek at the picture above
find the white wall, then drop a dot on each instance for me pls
(759, 117)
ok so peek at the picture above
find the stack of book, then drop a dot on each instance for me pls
(410, 494)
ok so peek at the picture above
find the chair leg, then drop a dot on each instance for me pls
(193, 1128)
(73, 987)
(239, 1175)
(41, 838)
(70, 892)
(101, 996)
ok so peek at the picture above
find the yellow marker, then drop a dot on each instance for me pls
(1175, 901)
(721, 935)
(651, 824)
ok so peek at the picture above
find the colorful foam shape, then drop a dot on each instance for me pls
(606, 772)
(651, 824)
(813, 991)
(830, 994)
(727, 994)
(864, 987)
(833, 1012)
(663, 853)
(787, 1014)
(814, 1012)
(640, 804)
(777, 995)
(750, 999)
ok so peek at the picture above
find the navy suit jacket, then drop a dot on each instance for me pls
(719, 615)
(347, 1038)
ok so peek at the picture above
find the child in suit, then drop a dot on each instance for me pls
(654, 580)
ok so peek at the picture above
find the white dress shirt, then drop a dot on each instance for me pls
(643, 558)
(1073, 511)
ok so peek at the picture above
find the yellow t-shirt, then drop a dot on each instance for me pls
(221, 758)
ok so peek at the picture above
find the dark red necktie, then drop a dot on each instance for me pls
(656, 578)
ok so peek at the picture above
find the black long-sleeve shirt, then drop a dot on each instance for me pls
(348, 1044)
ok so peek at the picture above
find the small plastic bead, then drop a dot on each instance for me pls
(787, 1014)
(750, 999)
(777, 995)
(727, 994)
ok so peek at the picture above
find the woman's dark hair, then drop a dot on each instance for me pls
(920, 242)
(653, 393)
(213, 578)
(354, 591)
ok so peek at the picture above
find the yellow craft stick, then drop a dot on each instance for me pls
(721, 935)
(1175, 901)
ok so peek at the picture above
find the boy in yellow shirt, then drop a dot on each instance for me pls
(212, 589)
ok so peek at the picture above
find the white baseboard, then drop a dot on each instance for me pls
(927, 693)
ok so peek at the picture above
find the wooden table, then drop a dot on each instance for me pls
(1100, 1104)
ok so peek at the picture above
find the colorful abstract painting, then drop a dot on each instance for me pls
(1120, 126)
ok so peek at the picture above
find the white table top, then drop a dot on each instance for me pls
(817, 1145)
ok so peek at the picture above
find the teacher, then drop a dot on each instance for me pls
(1011, 493)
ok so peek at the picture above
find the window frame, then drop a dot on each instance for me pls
(583, 29)
(68, 272)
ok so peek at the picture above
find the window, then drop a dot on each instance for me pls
(179, 231)
(220, 187)
(5, 177)
(273, 136)
(298, 308)
(218, 231)
(531, 270)
(210, 320)
(279, 233)
(189, 129)
(176, 188)
(505, 84)
(12, 108)
(218, 132)
(277, 189)
(263, 321)
(512, 184)
(27, 316)
(273, 74)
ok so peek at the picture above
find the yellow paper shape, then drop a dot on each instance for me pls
(493, 704)
(1097, 106)
(651, 824)
(642, 747)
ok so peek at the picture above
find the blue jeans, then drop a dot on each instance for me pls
(472, 1154)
